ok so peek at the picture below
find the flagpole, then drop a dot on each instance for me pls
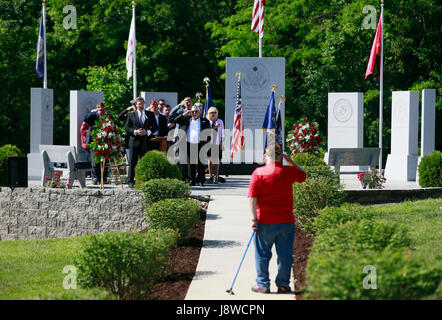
(45, 75)
(259, 33)
(381, 87)
(135, 53)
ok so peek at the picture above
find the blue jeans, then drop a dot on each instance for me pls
(283, 236)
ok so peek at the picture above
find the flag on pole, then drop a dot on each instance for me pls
(377, 43)
(270, 120)
(130, 55)
(258, 17)
(209, 101)
(238, 125)
(40, 66)
(278, 130)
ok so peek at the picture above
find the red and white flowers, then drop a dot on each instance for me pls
(106, 142)
(372, 179)
(56, 182)
(304, 137)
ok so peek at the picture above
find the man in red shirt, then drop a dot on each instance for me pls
(271, 202)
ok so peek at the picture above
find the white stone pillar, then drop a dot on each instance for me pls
(42, 128)
(402, 161)
(346, 123)
(81, 103)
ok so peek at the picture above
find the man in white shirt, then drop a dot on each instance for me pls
(191, 122)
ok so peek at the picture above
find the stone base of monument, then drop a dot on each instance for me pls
(238, 168)
(401, 167)
(348, 169)
(35, 166)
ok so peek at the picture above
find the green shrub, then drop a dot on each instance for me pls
(366, 234)
(330, 217)
(7, 151)
(126, 264)
(305, 159)
(177, 214)
(313, 195)
(155, 165)
(397, 275)
(159, 189)
(430, 170)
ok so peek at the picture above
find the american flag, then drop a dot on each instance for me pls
(238, 125)
(258, 17)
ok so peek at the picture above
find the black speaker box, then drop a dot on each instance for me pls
(18, 172)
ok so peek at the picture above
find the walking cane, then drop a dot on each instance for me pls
(230, 291)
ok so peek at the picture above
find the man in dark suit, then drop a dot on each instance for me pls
(158, 123)
(138, 128)
(194, 125)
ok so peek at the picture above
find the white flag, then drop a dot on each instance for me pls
(130, 49)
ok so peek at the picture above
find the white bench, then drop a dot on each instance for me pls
(63, 154)
(338, 157)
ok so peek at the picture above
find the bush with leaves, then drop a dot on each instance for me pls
(365, 234)
(126, 264)
(430, 170)
(159, 189)
(177, 214)
(330, 217)
(155, 165)
(349, 275)
(7, 151)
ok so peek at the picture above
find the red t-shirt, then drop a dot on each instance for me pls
(272, 185)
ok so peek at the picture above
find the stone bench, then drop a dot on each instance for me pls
(52, 154)
(338, 157)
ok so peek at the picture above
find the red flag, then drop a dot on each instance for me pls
(258, 17)
(374, 49)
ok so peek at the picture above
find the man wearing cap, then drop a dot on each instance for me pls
(271, 202)
(138, 128)
(193, 125)
(158, 123)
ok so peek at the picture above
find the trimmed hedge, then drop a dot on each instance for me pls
(126, 264)
(155, 165)
(7, 151)
(430, 170)
(389, 274)
(177, 214)
(159, 189)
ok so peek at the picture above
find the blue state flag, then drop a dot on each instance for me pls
(209, 101)
(39, 66)
(272, 122)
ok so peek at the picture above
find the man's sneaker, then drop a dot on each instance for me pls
(257, 289)
(284, 289)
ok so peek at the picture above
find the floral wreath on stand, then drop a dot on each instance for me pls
(106, 145)
(304, 138)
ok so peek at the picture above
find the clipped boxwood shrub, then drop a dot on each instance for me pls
(365, 234)
(430, 170)
(155, 165)
(370, 275)
(305, 159)
(177, 214)
(7, 151)
(313, 195)
(159, 189)
(330, 217)
(126, 264)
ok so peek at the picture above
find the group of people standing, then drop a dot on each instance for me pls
(142, 125)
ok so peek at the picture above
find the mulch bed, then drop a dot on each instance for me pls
(176, 284)
(301, 251)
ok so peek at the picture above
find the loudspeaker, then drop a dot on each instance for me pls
(18, 172)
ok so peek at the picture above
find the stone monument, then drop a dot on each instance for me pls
(81, 102)
(402, 161)
(42, 128)
(346, 123)
(258, 75)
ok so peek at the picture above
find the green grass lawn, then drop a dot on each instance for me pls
(424, 220)
(33, 269)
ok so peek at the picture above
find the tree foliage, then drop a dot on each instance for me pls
(325, 45)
